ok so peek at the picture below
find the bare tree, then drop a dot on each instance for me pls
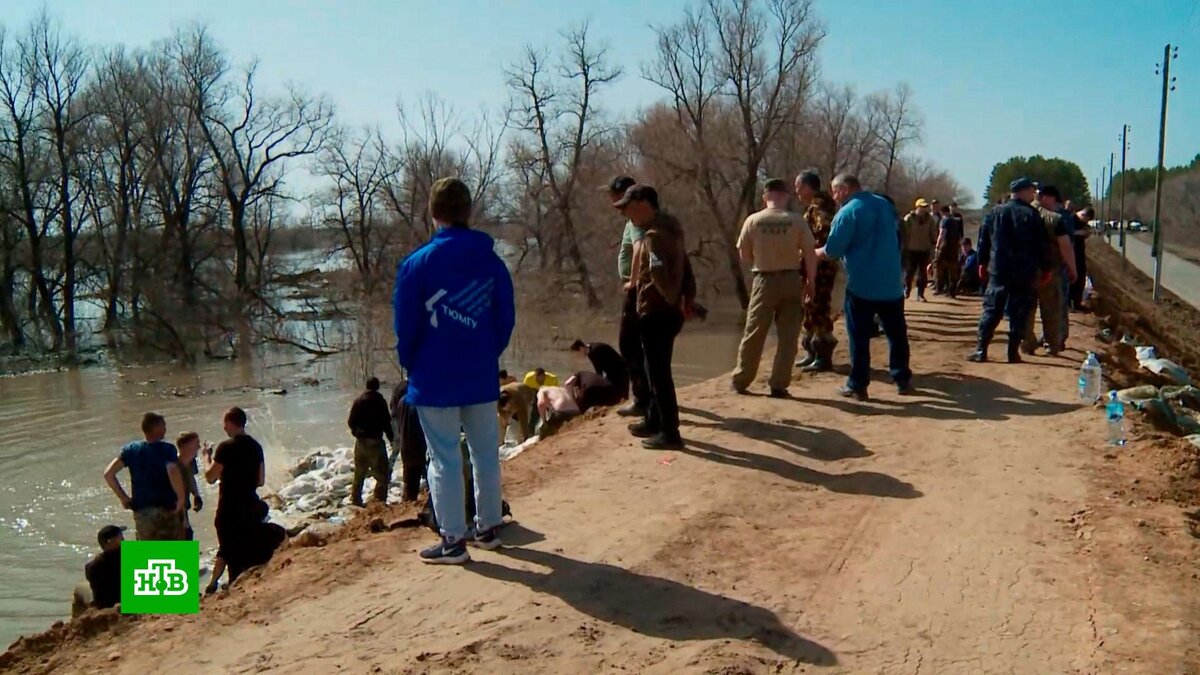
(357, 166)
(115, 192)
(27, 168)
(900, 126)
(754, 60)
(557, 110)
(178, 160)
(58, 68)
(252, 138)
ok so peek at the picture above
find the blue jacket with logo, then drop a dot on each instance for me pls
(454, 316)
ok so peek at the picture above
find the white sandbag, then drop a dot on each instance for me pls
(507, 453)
(312, 502)
(1169, 369)
(340, 483)
(298, 489)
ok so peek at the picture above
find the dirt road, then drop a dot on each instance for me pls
(979, 527)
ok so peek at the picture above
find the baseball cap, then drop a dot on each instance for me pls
(620, 184)
(1050, 191)
(921, 202)
(639, 193)
(1021, 184)
(109, 532)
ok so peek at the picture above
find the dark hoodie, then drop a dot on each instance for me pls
(662, 267)
(454, 317)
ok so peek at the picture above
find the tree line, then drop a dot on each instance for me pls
(161, 183)
(1141, 181)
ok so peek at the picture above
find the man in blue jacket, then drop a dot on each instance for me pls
(1012, 248)
(454, 317)
(864, 233)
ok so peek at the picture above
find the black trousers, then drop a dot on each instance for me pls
(1014, 300)
(629, 341)
(1081, 280)
(659, 330)
(413, 451)
(917, 264)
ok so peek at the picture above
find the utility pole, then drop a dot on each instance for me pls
(1100, 200)
(1108, 199)
(1124, 177)
(1168, 85)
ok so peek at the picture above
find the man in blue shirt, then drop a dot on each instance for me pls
(454, 317)
(1012, 248)
(864, 234)
(159, 497)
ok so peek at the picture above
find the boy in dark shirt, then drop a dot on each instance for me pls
(103, 572)
(607, 362)
(370, 421)
(188, 444)
(968, 261)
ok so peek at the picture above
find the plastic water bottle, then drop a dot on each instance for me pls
(1090, 379)
(1115, 412)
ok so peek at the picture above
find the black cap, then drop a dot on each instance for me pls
(1050, 191)
(639, 193)
(620, 184)
(109, 532)
(1021, 184)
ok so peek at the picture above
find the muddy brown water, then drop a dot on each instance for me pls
(59, 430)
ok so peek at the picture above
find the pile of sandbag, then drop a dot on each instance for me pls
(321, 481)
(1175, 409)
(1148, 359)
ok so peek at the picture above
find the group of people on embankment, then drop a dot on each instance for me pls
(455, 314)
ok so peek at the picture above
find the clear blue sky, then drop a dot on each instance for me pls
(1052, 78)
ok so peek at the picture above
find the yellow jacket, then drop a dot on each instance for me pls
(531, 380)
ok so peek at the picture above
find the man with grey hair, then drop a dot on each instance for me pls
(864, 234)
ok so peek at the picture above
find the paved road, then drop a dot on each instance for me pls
(1179, 276)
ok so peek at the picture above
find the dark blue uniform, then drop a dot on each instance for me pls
(1012, 246)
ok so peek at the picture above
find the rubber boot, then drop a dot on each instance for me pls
(823, 346)
(809, 354)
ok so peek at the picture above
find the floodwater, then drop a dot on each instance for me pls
(58, 432)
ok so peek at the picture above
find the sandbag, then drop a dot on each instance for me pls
(1142, 393)
(1187, 396)
(1168, 369)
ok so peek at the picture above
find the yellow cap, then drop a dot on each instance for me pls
(922, 202)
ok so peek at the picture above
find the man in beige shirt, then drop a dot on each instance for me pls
(774, 241)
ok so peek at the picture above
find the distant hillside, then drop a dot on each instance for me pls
(1180, 211)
